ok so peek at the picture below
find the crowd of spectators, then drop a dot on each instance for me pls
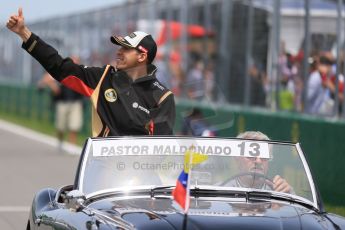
(319, 85)
(198, 80)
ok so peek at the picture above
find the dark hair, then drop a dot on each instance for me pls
(326, 61)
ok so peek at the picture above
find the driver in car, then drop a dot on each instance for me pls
(258, 167)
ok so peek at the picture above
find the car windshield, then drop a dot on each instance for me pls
(129, 163)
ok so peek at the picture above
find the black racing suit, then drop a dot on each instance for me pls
(120, 106)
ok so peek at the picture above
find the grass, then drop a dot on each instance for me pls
(48, 128)
(340, 210)
(39, 126)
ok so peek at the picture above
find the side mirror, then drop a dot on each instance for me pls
(74, 200)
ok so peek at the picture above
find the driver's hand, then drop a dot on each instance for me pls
(281, 185)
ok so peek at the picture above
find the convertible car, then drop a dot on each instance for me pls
(185, 183)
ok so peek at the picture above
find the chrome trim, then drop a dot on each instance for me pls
(129, 190)
(310, 178)
(83, 165)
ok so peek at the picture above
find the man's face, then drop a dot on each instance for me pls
(253, 164)
(127, 58)
(324, 68)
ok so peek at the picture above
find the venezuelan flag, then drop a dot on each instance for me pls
(181, 191)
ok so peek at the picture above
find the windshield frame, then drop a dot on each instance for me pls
(80, 176)
(309, 175)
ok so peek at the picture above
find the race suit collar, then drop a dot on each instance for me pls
(151, 69)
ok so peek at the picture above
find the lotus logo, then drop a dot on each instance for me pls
(110, 95)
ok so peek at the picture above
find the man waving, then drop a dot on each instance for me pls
(127, 99)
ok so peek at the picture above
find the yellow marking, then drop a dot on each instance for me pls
(164, 97)
(96, 120)
(295, 134)
(32, 46)
(106, 132)
(241, 124)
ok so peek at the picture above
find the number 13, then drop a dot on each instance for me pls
(254, 149)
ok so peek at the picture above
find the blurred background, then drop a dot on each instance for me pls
(233, 65)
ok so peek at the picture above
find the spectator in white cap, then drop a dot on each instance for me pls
(127, 99)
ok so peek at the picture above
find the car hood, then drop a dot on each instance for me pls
(163, 213)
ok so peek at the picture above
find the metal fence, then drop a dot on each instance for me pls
(245, 52)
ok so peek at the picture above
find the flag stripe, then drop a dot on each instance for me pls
(179, 194)
(181, 191)
(183, 178)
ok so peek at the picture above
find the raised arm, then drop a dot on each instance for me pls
(77, 77)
